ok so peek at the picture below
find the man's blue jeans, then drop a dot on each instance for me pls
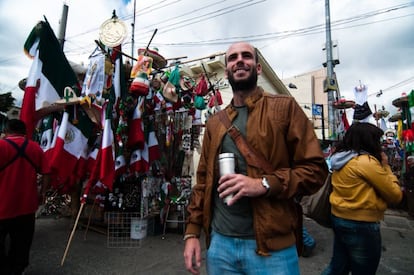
(357, 247)
(228, 255)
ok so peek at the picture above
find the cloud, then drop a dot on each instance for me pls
(375, 43)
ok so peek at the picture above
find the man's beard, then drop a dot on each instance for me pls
(243, 85)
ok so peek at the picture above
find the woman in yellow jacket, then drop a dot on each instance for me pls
(363, 184)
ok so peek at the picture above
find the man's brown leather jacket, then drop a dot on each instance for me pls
(280, 130)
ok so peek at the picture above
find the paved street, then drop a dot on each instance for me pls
(89, 253)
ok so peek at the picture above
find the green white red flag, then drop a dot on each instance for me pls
(107, 162)
(70, 143)
(49, 74)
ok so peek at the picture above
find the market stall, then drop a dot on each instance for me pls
(121, 138)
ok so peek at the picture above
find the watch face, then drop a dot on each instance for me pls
(112, 32)
(265, 183)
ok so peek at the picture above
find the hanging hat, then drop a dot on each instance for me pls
(380, 114)
(159, 61)
(342, 103)
(395, 117)
(362, 111)
(169, 92)
(140, 85)
(69, 97)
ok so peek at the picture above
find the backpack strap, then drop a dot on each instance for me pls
(20, 153)
(252, 156)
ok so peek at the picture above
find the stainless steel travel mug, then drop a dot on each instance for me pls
(227, 165)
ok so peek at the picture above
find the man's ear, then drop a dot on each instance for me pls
(225, 74)
(259, 68)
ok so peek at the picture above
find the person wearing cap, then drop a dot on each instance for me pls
(256, 231)
(20, 163)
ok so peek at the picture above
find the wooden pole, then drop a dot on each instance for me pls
(89, 219)
(71, 234)
(201, 58)
(149, 42)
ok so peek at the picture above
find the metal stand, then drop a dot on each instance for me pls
(180, 208)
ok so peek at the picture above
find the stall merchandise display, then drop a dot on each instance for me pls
(154, 136)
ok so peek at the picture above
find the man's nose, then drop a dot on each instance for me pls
(239, 58)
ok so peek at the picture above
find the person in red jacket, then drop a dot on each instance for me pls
(20, 163)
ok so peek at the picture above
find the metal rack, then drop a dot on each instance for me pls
(178, 208)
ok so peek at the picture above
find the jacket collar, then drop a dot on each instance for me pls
(250, 101)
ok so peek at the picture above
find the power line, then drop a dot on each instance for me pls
(399, 84)
(297, 32)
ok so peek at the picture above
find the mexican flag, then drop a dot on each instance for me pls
(49, 74)
(46, 135)
(136, 136)
(410, 114)
(119, 81)
(86, 127)
(136, 162)
(153, 147)
(70, 143)
(92, 159)
(120, 163)
(107, 162)
(140, 160)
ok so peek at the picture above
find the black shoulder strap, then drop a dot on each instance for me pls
(20, 153)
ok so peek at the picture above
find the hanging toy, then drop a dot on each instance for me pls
(168, 132)
(140, 72)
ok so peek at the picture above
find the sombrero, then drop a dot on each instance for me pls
(47, 110)
(380, 114)
(69, 97)
(399, 102)
(93, 110)
(158, 62)
(343, 104)
(395, 117)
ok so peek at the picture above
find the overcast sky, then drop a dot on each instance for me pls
(375, 38)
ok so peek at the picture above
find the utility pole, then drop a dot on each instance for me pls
(331, 86)
(133, 35)
(62, 26)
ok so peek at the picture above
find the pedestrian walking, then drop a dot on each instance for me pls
(254, 231)
(363, 183)
(20, 163)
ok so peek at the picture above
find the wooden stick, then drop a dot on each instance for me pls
(71, 234)
(176, 58)
(149, 43)
(197, 59)
(89, 218)
(124, 54)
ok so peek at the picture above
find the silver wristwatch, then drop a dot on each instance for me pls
(265, 184)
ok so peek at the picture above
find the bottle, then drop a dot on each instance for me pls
(227, 165)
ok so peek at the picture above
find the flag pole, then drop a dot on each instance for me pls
(89, 219)
(72, 233)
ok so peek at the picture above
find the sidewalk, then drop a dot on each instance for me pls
(155, 255)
